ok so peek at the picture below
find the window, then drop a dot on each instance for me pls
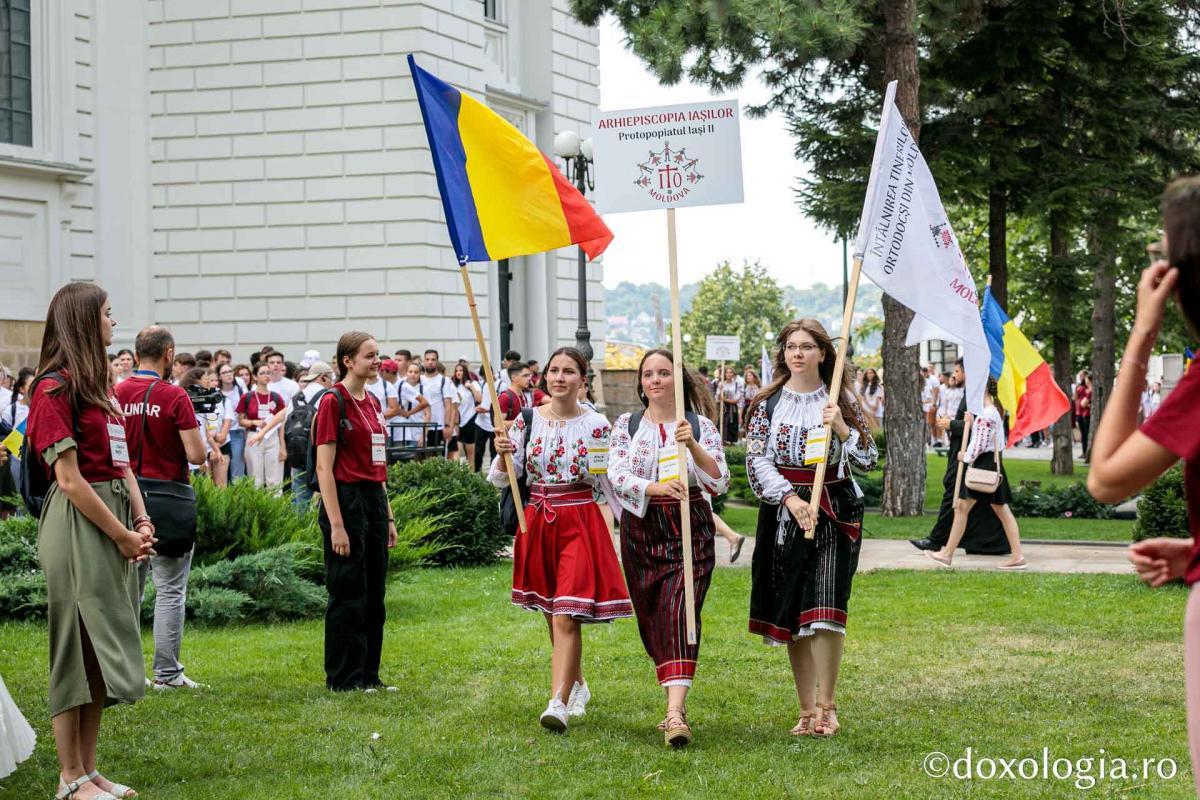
(16, 95)
(490, 11)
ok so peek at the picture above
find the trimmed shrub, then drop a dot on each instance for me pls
(1162, 509)
(22, 595)
(469, 530)
(241, 519)
(1059, 501)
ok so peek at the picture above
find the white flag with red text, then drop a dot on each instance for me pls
(909, 250)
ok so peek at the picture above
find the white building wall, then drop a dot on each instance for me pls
(292, 191)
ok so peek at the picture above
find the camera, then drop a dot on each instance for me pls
(204, 401)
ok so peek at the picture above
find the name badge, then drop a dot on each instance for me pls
(264, 411)
(668, 463)
(378, 451)
(816, 446)
(210, 422)
(118, 449)
(597, 457)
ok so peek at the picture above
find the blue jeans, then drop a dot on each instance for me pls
(301, 494)
(237, 454)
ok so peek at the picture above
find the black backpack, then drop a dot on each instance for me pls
(35, 484)
(635, 421)
(508, 509)
(310, 448)
(297, 434)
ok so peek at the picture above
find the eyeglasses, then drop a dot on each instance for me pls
(791, 349)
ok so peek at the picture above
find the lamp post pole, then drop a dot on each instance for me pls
(577, 154)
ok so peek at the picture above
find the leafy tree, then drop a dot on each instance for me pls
(747, 304)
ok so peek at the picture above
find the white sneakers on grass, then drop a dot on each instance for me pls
(557, 713)
(181, 682)
(577, 702)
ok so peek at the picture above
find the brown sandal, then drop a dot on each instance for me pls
(827, 722)
(677, 733)
(804, 726)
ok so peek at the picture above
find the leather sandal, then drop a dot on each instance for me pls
(677, 733)
(804, 726)
(66, 791)
(827, 722)
(119, 790)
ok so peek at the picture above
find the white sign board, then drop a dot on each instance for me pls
(668, 157)
(722, 348)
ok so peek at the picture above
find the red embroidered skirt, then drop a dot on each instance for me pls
(565, 562)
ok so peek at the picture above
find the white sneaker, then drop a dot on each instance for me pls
(577, 702)
(554, 718)
(182, 682)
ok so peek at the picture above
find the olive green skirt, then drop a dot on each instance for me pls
(91, 590)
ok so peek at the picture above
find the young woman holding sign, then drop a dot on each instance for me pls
(92, 533)
(800, 588)
(564, 565)
(354, 517)
(644, 472)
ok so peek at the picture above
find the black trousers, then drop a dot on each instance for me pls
(355, 615)
(484, 441)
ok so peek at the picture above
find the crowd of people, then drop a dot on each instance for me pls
(110, 443)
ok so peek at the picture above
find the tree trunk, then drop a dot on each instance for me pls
(998, 241)
(1062, 461)
(1104, 314)
(904, 474)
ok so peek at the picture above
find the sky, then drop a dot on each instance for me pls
(767, 226)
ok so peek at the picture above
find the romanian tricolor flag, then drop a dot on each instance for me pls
(502, 197)
(14, 439)
(1022, 376)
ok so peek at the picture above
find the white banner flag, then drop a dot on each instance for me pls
(909, 250)
(767, 370)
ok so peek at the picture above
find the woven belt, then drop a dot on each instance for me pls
(694, 493)
(804, 476)
(546, 497)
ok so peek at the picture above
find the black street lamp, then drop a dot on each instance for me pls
(577, 154)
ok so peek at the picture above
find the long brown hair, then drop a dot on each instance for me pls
(695, 398)
(846, 402)
(72, 343)
(347, 347)
(993, 390)
(1181, 224)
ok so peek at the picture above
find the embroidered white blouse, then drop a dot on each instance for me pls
(555, 452)
(633, 463)
(987, 428)
(781, 443)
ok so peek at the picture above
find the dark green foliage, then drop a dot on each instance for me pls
(241, 518)
(22, 595)
(1072, 500)
(1162, 509)
(216, 606)
(470, 530)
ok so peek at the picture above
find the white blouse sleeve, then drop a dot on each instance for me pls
(982, 432)
(860, 450)
(516, 434)
(629, 488)
(710, 440)
(768, 485)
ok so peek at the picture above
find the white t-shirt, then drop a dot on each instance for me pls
(232, 398)
(210, 424)
(927, 388)
(466, 402)
(5, 397)
(436, 390)
(286, 388)
(7, 411)
(383, 391)
(409, 399)
(484, 418)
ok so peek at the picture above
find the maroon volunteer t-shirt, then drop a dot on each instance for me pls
(50, 422)
(354, 463)
(167, 412)
(1175, 427)
(252, 401)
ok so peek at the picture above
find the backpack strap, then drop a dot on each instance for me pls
(635, 421)
(773, 401)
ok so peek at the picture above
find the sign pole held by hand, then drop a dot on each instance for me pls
(685, 519)
(721, 398)
(835, 391)
(497, 414)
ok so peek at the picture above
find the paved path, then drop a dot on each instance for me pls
(899, 554)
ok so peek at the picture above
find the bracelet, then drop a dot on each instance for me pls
(140, 519)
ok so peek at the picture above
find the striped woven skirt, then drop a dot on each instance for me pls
(652, 556)
(799, 585)
(565, 562)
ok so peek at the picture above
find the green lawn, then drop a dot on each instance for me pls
(1016, 469)
(1087, 666)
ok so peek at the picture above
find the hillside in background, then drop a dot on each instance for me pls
(630, 309)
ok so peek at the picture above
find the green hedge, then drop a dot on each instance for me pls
(468, 531)
(1068, 501)
(1162, 508)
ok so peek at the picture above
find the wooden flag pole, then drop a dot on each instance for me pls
(721, 400)
(835, 391)
(959, 476)
(685, 519)
(497, 415)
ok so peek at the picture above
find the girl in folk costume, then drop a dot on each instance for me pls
(564, 564)
(987, 442)
(800, 588)
(730, 395)
(644, 472)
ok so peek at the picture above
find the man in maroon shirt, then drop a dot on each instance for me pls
(518, 395)
(172, 440)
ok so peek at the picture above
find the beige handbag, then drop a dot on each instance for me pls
(986, 481)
